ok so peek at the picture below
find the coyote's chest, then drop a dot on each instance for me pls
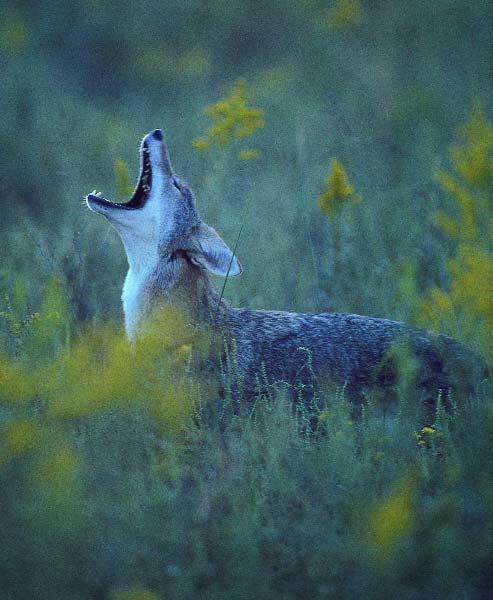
(135, 301)
(145, 291)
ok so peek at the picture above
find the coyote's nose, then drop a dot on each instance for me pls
(158, 135)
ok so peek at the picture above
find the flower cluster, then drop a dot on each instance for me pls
(468, 300)
(98, 372)
(338, 190)
(232, 119)
(426, 436)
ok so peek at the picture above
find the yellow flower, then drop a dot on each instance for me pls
(393, 519)
(102, 370)
(428, 430)
(232, 119)
(338, 190)
(468, 221)
(184, 350)
(465, 306)
(473, 159)
(427, 436)
(417, 437)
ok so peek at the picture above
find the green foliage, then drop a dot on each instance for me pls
(466, 305)
(134, 593)
(123, 480)
(344, 13)
(142, 504)
(14, 34)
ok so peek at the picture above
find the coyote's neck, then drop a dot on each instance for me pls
(172, 283)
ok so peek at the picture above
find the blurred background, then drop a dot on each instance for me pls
(351, 144)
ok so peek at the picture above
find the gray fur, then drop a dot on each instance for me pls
(352, 350)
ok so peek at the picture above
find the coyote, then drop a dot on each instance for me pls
(171, 255)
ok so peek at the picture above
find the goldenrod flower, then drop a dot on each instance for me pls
(473, 159)
(393, 519)
(338, 190)
(426, 436)
(468, 300)
(232, 119)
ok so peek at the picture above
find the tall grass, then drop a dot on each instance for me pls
(123, 480)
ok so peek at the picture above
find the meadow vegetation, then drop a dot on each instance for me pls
(351, 145)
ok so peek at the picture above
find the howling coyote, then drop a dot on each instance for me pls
(171, 255)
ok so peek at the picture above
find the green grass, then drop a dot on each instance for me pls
(108, 492)
(251, 505)
(118, 477)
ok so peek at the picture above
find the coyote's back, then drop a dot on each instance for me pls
(355, 351)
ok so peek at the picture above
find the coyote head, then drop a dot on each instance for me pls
(160, 222)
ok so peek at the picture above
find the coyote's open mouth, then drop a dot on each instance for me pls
(142, 189)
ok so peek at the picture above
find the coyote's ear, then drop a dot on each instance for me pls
(210, 252)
